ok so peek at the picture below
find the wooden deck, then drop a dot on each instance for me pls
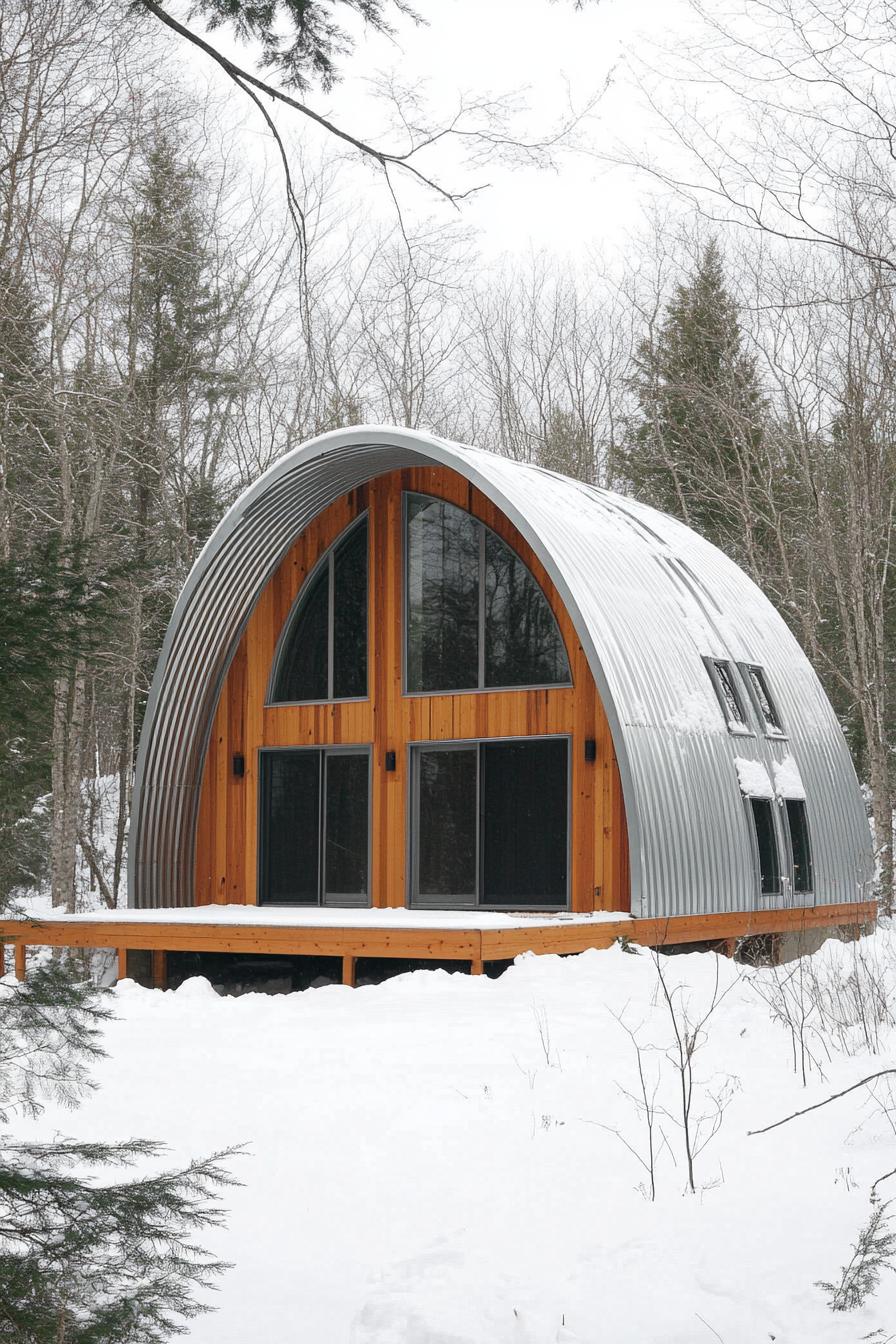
(434, 936)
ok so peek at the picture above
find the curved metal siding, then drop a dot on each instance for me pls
(648, 598)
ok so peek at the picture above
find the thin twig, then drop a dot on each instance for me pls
(818, 1104)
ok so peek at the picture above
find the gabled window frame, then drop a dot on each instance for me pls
(326, 560)
(739, 728)
(747, 671)
(481, 688)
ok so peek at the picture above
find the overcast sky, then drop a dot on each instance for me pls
(554, 56)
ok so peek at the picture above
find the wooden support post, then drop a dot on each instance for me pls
(122, 963)
(476, 966)
(20, 953)
(159, 969)
(348, 970)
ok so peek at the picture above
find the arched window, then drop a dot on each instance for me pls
(476, 617)
(323, 649)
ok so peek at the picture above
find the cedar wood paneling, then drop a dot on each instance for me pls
(226, 840)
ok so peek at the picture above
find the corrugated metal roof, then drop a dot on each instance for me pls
(649, 598)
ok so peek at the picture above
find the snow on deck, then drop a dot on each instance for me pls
(295, 917)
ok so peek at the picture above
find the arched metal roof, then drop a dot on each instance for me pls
(648, 597)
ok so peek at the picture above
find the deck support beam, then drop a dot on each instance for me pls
(21, 952)
(348, 970)
(159, 969)
(122, 963)
(476, 967)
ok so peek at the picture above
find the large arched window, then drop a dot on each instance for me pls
(323, 650)
(476, 617)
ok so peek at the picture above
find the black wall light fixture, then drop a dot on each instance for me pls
(390, 760)
(590, 749)
(239, 765)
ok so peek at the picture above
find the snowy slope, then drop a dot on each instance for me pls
(445, 1159)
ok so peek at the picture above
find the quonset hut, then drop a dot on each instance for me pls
(405, 672)
(417, 700)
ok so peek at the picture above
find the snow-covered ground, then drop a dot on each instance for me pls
(446, 1159)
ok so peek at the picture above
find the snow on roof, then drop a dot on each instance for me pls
(753, 778)
(788, 781)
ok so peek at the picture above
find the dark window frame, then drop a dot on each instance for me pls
(752, 803)
(326, 560)
(413, 821)
(748, 671)
(786, 805)
(481, 688)
(322, 751)
(740, 727)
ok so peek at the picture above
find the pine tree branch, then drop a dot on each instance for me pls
(242, 78)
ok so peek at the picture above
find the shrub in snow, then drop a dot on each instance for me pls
(874, 1251)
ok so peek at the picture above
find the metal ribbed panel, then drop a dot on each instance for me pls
(648, 598)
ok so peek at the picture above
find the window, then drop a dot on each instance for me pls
(724, 682)
(800, 851)
(765, 706)
(323, 650)
(767, 847)
(314, 826)
(476, 618)
(490, 824)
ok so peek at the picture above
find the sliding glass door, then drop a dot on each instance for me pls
(490, 824)
(314, 827)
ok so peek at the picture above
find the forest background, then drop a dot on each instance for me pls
(169, 326)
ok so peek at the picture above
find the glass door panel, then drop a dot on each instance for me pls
(290, 827)
(524, 823)
(346, 828)
(446, 808)
(314, 831)
(491, 824)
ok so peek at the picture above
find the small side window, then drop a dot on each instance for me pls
(800, 848)
(767, 709)
(724, 681)
(767, 845)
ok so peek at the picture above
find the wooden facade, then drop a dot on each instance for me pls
(226, 854)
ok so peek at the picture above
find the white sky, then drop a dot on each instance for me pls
(551, 53)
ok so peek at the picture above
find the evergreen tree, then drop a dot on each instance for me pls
(696, 448)
(88, 1257)
(182, 308)
(50, 615)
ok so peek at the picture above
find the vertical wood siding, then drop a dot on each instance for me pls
(227, 838)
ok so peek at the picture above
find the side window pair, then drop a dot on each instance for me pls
(797, 841)
(732, 702)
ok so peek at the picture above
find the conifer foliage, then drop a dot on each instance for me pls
(698, 439)
(89, 1253)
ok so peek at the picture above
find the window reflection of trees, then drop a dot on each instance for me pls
(447, 551)
(447, 827)
(522, 643)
